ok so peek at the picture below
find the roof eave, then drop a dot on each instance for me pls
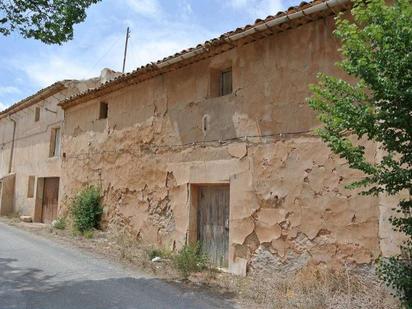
(31, 100)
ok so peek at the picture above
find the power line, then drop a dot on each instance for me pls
(107, 52)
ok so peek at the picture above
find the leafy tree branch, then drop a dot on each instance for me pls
(377, 55)
(50, 21)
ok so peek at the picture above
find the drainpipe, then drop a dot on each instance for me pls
(12, 143)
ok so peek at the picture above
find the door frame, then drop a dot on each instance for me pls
(192, 235)
(38, 207)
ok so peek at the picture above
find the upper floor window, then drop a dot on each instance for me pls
(226, 82)
(37, 114)
(55, 142)
(103, 110)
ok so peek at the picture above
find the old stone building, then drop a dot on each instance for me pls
(216, 144)
(30, 150)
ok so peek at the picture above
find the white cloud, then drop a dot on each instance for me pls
(185, 8)
(8, 90)
(49, 69)
(239, 4)
(148, 42)
(159, 42)
(102, 44)
(2, 106)
(257, 8)
(147, 8)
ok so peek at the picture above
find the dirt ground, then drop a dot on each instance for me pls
(312, 287)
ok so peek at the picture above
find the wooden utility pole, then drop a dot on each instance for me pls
(125, 48)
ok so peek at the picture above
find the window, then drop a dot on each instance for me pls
(37, 114)
(103, 110)
(226, 82)
(55, 142)
(221, 81)
(30, 186)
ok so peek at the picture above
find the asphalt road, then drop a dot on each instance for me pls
(37, 273)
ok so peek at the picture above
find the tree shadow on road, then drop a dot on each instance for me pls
(31, 288)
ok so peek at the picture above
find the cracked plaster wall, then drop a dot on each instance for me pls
(288, 204)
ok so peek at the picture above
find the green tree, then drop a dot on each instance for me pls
(50, 21)
(377, 52)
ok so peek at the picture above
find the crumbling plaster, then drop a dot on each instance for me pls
(287, 191)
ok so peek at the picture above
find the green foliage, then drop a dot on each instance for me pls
(156, 252)
(50, 21)
(88, 234)
(190, 259)
(377, 52)
(59, 223)
(86, 209)
(397, 272)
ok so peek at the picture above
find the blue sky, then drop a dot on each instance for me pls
(159, 28)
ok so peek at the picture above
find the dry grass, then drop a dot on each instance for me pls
(130, 249)
(312, 287)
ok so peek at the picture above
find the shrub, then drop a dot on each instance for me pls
(190, 259)
(86, 209)
(59, 223)
(396, 271)
(156, 252)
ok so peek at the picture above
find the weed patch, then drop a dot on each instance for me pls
(190, 259)
(86, 209)
(59, 223)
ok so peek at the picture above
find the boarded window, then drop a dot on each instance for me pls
(37, 114)
(55, 142)
(30, 186)
(103, 110)
(226, 82)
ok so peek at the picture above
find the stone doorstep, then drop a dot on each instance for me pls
(27, 219)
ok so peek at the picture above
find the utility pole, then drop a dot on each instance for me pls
(125, 48)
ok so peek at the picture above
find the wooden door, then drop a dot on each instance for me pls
(213, 223)
(50, 199)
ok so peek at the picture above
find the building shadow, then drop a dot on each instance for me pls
(22, 288)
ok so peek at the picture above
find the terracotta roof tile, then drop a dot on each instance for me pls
(222, 39)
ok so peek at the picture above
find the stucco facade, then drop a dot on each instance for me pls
(26, 154)
(169, 134)
(232, 118)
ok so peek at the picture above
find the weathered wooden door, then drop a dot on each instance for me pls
(50, 199)
(213, 223)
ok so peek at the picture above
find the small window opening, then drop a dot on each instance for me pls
(30, 186)
(226, 82)
(103, 110)
(55, 141)
(37, 114)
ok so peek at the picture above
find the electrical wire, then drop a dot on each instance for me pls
(155, 147)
